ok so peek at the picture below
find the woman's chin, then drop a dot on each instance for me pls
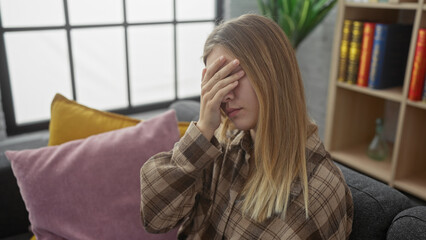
(242, 126)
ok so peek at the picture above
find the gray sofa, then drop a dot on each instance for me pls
(380, 212)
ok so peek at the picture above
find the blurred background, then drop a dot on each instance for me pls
(124, 56)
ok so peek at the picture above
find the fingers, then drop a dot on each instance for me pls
(218, 79)
(220, 94)
(225, 82)
(209, 92)
(213, 68)
(203, 73)
(216, 71)
(227, 74)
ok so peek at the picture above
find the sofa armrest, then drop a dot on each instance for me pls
(14, 216)
(186, 110)
(409, 224)
(375, 205)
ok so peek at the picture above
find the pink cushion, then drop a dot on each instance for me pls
(90, 188)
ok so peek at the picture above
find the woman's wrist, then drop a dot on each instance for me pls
(207, 132)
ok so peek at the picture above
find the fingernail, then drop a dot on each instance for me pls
(241, 73)
(221, 58)
(236, 62)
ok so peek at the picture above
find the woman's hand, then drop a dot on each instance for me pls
(218, 80)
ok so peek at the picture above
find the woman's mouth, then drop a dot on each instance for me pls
(232, 112)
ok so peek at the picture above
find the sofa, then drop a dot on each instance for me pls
(380, 212)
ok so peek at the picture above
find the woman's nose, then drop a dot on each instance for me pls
(228, 97)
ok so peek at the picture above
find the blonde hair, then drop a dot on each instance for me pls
(268, 59)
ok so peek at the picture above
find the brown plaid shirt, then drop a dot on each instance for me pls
(197, 185)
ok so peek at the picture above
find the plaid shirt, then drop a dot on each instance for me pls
(197, 184)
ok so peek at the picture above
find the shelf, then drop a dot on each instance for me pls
(393, 94)
(417, 104)
(352, 110)
(356, 157)
(414, 185)
(412, 6)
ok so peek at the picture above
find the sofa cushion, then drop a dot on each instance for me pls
(71, 120)
(409, 224)
(89, 188)
(375, 205)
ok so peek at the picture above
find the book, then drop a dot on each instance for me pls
(365, 57)
(424, 91)
(419, 67)
(389, 55)
(344, 50)
(354, 52)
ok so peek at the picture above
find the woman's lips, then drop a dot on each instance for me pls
(232, 112)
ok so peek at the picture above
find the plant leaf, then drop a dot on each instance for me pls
(283, 22)
(289, 21)
(297, 18)
(261, 6)
(321, 4)
(303, 14)
(318, 19)
(285, 7)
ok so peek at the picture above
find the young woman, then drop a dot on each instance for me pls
(265, 173)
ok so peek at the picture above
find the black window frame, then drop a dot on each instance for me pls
(12, 128)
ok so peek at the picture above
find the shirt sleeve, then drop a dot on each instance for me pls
(170, 181)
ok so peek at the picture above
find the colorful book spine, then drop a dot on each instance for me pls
(344, 50)
(354, 52)
(419, 67)
(379, 42)
(389, 55)
(424, 91)
(366, 50)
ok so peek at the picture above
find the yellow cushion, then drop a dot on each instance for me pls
(183, 126)
(71, 120)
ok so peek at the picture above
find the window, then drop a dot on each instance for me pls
(124, 56)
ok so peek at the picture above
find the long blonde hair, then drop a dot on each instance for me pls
(268, 59)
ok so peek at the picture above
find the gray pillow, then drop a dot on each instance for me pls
(186, 110)
(409, 224)
(375, 205)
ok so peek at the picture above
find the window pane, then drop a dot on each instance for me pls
(151, 63)
(145, 10)
(190, 42)
(39, 67)
(83, 12)
(100, 72)
(30, 13)
(195, 10)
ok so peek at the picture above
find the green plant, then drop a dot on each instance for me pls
(296, 17)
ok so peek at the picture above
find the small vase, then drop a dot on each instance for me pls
(378, 148)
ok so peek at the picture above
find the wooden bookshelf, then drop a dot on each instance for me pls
(417, 104)
(352, 110)
(378, 5)
(394, 94)
(355, 157)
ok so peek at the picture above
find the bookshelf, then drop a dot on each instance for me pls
(352, 109)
